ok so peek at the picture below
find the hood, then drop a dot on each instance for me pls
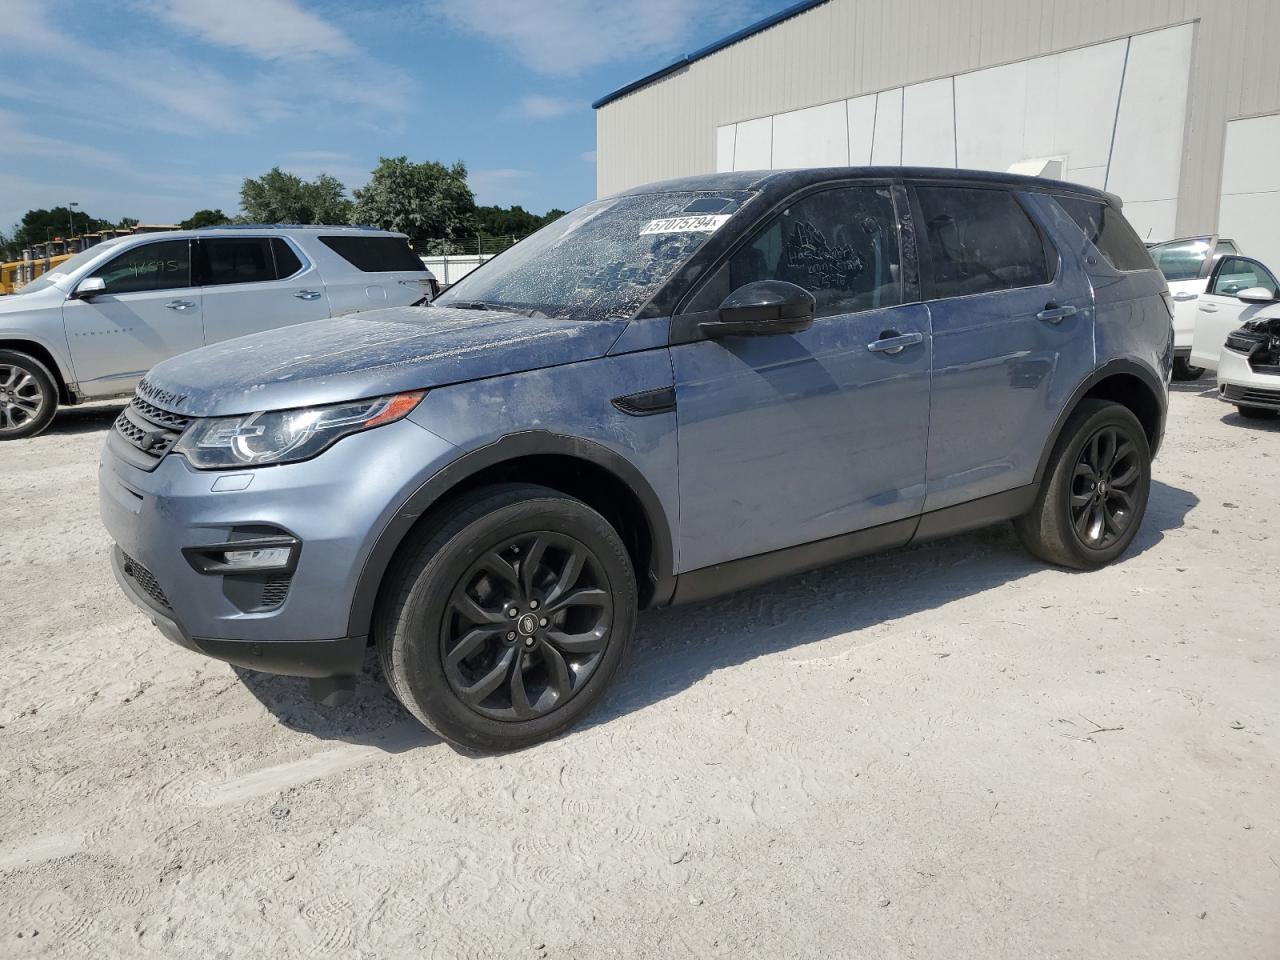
(367, 355)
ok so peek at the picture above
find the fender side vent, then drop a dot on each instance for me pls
(648, 402)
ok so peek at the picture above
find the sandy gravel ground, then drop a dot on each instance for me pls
(948, 751)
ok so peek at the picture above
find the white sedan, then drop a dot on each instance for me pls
(1237, 333)
(1186, 264)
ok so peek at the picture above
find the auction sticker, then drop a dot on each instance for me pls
(702, 223)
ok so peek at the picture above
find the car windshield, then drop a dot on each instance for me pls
(600, 262)
(1181, 259)
(61, 271)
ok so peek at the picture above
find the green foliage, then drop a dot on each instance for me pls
(426, 201)
(511, 221)
(280, 197)
(205, 218)
(127, 223)
(37, 226)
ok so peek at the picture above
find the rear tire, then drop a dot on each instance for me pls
(1183, 370)
(503, 623)
(28, 395)
(1257, 413)
(1095, 489)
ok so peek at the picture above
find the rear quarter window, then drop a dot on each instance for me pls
(1110, 232)
(375, 254)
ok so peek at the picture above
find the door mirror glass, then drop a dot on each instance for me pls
(763, 308)
(1255, 295)
(88, 288)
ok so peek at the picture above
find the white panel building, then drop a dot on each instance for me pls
(1174, 105)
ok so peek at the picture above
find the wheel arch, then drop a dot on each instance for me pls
(589, 471)
(39, 351)
(1121, 381)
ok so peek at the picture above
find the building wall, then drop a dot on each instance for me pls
(869, 57)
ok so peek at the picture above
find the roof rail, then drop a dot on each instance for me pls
(293, 226)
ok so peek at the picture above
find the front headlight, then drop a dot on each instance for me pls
(286, 436)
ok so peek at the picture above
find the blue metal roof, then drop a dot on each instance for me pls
(680, 62)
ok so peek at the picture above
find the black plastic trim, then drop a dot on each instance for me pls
(732, 575)
(513, 446)
(202, 560)
(1109, 369)
(974, 514)
(648, 402)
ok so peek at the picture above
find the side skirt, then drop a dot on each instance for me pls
(733, 575)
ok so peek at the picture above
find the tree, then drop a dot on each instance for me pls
(426, 201)
(37, 226)
(127, 223)
(512, 221)
(205, 218)
(280, 197)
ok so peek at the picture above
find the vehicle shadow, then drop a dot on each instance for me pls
(1204, 387)
(677, 647)
(1263, 426)
(89, 418)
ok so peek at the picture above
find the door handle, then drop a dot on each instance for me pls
(1208, 308)
(308, 294)
(1052, 313)
(1185, 296)
(892, 342)
(180, 304)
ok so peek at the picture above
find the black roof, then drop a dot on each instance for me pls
(785, 181)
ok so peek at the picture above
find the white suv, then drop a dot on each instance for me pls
(92, 328)
(1186, 264)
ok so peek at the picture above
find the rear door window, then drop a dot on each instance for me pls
(287, 262)
(1234, 274)
(1110, 232)
(375, 254)
(237, 260)
(977, 240)
(165, 265)
(841, 245)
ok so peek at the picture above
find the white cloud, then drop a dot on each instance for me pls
(537, 106)
(566, 37)
(588, 156)
(265, 29)
(502, 186)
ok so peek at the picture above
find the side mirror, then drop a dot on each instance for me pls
(761, 309)
(1256, 295)
(88, 288)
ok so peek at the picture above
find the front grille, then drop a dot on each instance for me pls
(150, 430)
(143, 578)
(1270, 398)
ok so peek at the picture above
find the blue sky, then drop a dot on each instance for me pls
(157, 108)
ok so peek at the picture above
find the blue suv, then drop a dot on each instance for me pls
(682, 390)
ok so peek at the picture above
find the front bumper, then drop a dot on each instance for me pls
(1240, 384)
(335, 505)
(295, 658)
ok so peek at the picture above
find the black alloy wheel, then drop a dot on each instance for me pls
(506, 615)
(1104, 487)
(526, 626)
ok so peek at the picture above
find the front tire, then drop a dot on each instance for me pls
(502, 625)
(1183, 369)
(28, 395)
(1094, 493)
(1257, 413)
